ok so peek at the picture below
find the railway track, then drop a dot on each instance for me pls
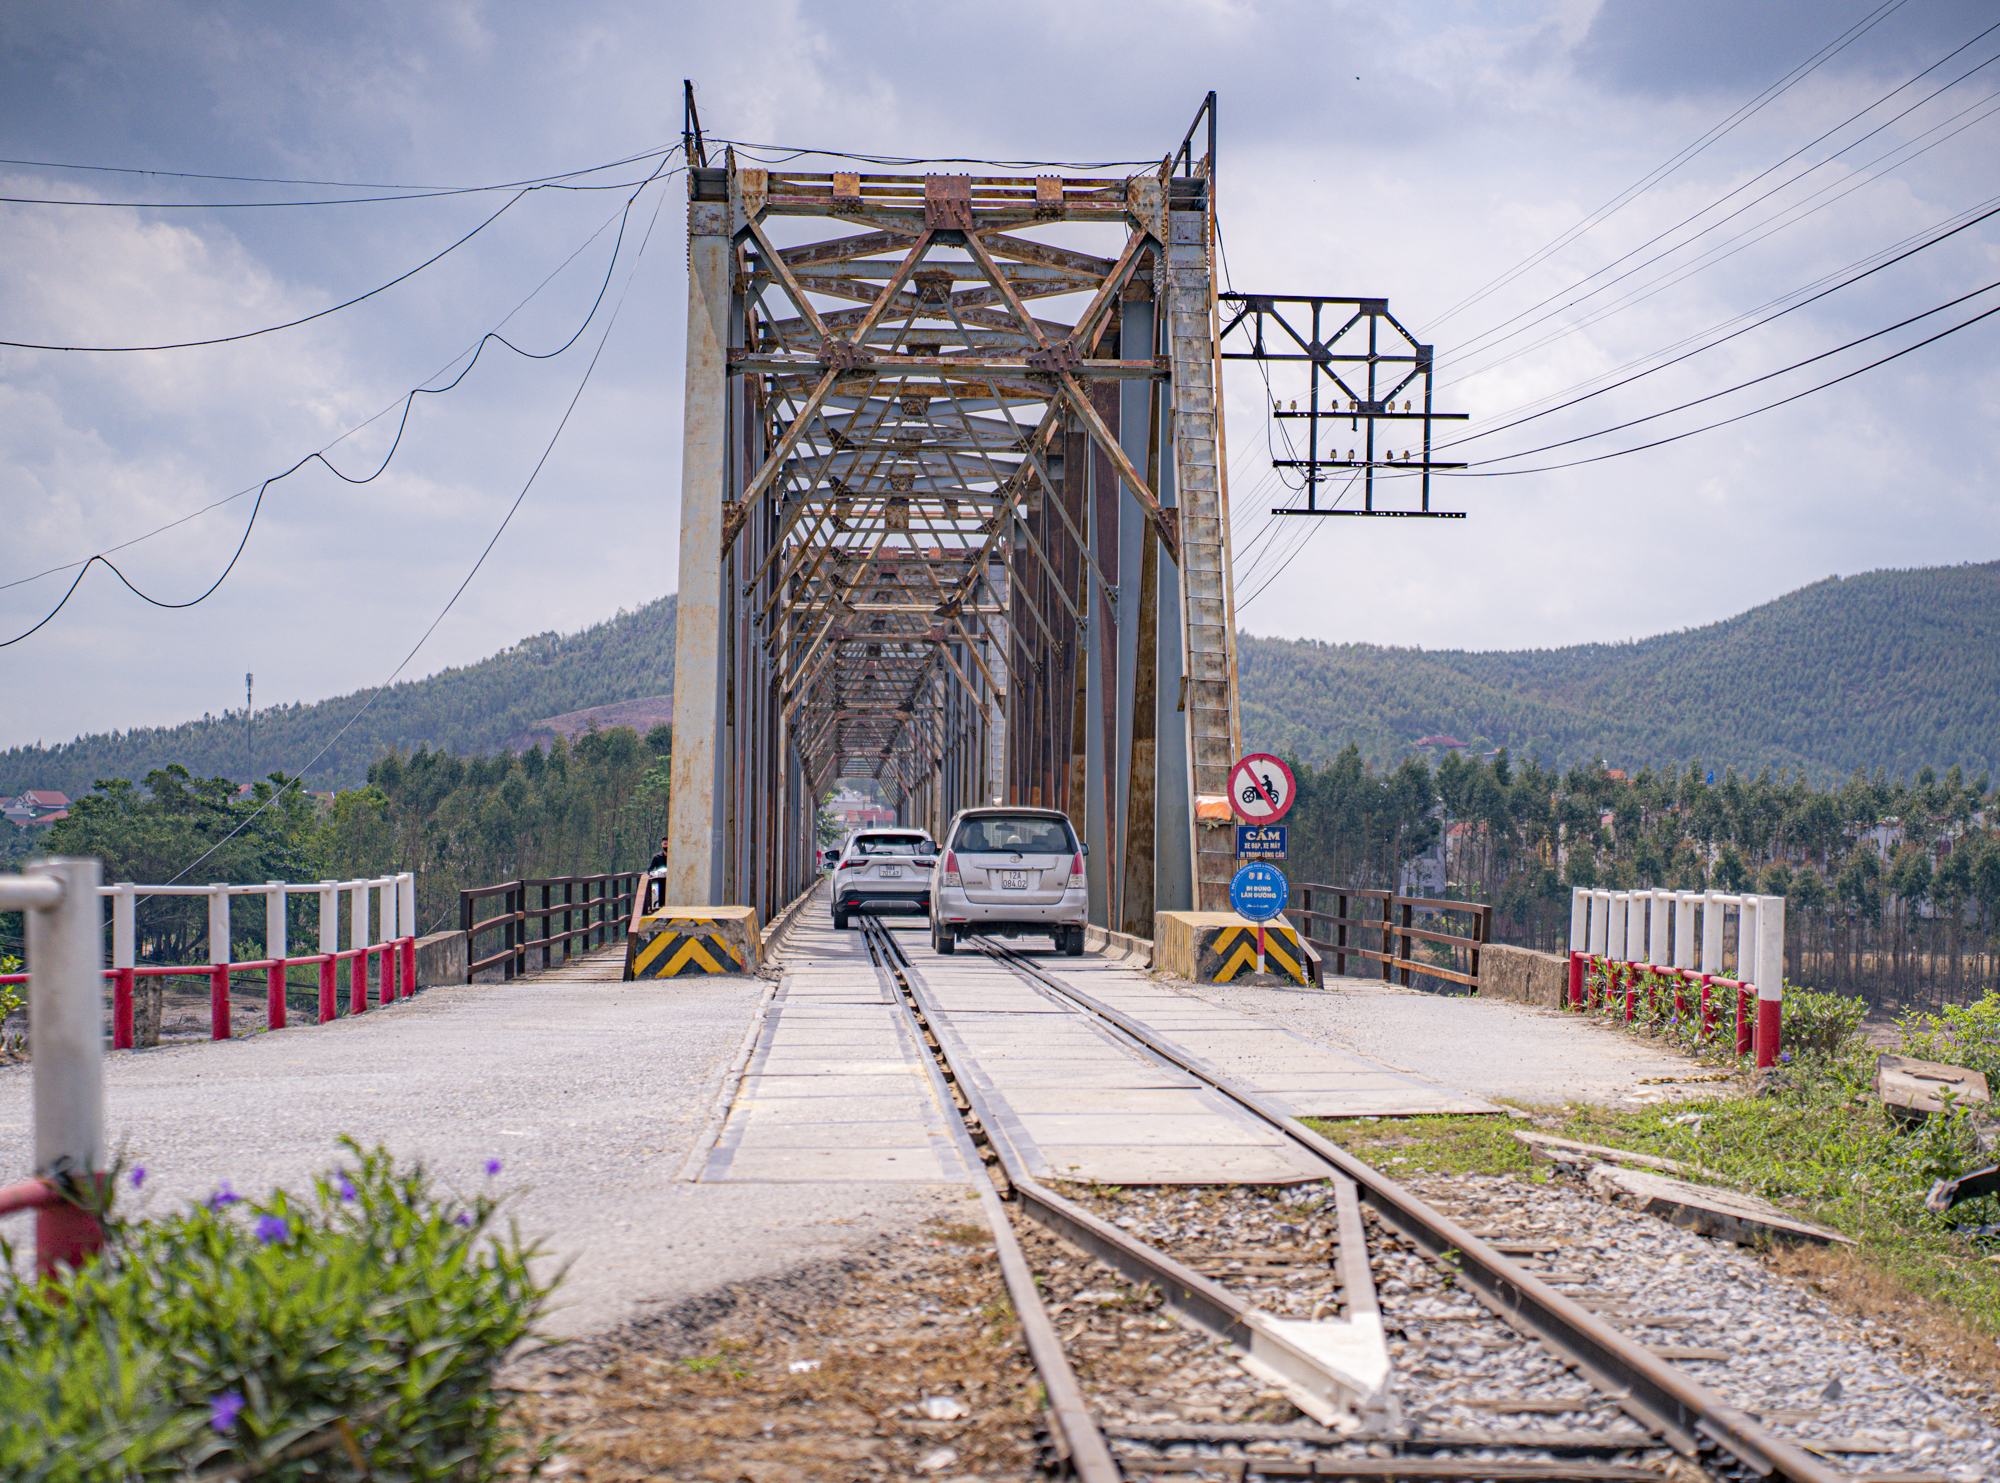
(1341, 1329)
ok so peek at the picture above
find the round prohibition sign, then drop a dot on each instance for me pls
(1261, 789)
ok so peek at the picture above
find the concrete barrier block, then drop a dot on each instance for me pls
(1213, 947)
(1135, 950)
(442, 959)
(677, 941)
(1523, 975)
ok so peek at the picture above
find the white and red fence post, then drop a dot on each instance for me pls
(59, 899)
(1624, 932)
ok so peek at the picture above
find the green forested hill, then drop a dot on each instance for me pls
(1891, 668)
(472, 709)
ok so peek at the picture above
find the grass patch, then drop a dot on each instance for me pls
(1434, 1145)
(1816, 1142)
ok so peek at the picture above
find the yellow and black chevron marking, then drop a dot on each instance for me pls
(673, 952)
(1234, 951)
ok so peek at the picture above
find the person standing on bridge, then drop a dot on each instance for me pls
(656, 884)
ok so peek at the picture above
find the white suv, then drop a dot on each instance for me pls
(883, 871)
(1006, 871)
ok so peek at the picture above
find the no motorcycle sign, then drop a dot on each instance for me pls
(1261, 789)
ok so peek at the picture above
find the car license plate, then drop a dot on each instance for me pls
(892, 872)
(1013, 880)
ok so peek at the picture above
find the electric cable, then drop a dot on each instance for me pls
(1760, 312)
(1489, 338)
(408, 401)
(473, 349)
(290, 323)
(1770, 375)
(382, 689)
(552, 185)
(1688, 152)
(358, 185)
(1725, 422)
(1723, 340)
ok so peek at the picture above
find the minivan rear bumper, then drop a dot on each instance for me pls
(875, 899)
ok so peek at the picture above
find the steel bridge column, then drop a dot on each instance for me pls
(1173, 830)
(1136, 652)
(1100, 529)
(695, 810)
(1207, 644)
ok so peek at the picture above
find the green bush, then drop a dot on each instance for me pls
(1819, 1022)
(1965, 1035)
(352, 1335)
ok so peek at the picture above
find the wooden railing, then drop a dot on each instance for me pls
(1388, 937)
(586, 904)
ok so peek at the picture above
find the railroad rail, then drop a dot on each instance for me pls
(1374, 1256)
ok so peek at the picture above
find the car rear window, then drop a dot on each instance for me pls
(893, 844)
(1027, 834)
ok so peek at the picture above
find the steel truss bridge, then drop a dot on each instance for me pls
(954, 517)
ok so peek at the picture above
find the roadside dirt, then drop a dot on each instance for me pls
(900, 1363)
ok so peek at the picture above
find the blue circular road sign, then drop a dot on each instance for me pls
(1259, 891)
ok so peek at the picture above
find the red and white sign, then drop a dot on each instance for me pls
(1261, 789)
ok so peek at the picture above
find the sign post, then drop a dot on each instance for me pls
(1259, 892)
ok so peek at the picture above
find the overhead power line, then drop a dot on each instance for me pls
(486, 551)
(616, 217)
(470, 190)
(1661, 171)
(357, 185)
(1733, 334)
(1479, 473)
(1759, 380)
(408, 401)
(1561, 299)
(271, 329)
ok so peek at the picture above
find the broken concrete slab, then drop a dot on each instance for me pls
(1724, 1214)
(1912, 1090)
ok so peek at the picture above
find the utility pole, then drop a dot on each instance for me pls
(249, 726)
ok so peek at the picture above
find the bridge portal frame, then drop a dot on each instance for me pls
(934, 537)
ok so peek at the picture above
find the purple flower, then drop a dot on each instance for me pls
(345, 1186)
(1784, 1055)
(222, 1411)
(223, 1196)
(492, 1167)
(138, 1176)
(464, 1219)
(272, 1228)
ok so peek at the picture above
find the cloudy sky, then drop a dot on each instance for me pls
(1429, 153)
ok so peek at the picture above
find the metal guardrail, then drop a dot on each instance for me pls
(1396, 931)
(601, 902)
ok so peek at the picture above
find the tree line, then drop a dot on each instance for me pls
(597, 806)
(1892, 886)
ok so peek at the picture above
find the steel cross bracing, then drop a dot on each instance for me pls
(953, 519)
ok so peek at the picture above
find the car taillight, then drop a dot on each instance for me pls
(951, 875)
(1076, 870)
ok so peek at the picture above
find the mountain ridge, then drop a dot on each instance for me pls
(1894, 668)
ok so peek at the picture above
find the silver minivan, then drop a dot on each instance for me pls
(1006, 871)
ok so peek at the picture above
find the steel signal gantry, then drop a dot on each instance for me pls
(953, 517)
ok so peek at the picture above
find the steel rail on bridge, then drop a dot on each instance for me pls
(954, 518)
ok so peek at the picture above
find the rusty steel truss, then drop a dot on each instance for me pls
(954, 518)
